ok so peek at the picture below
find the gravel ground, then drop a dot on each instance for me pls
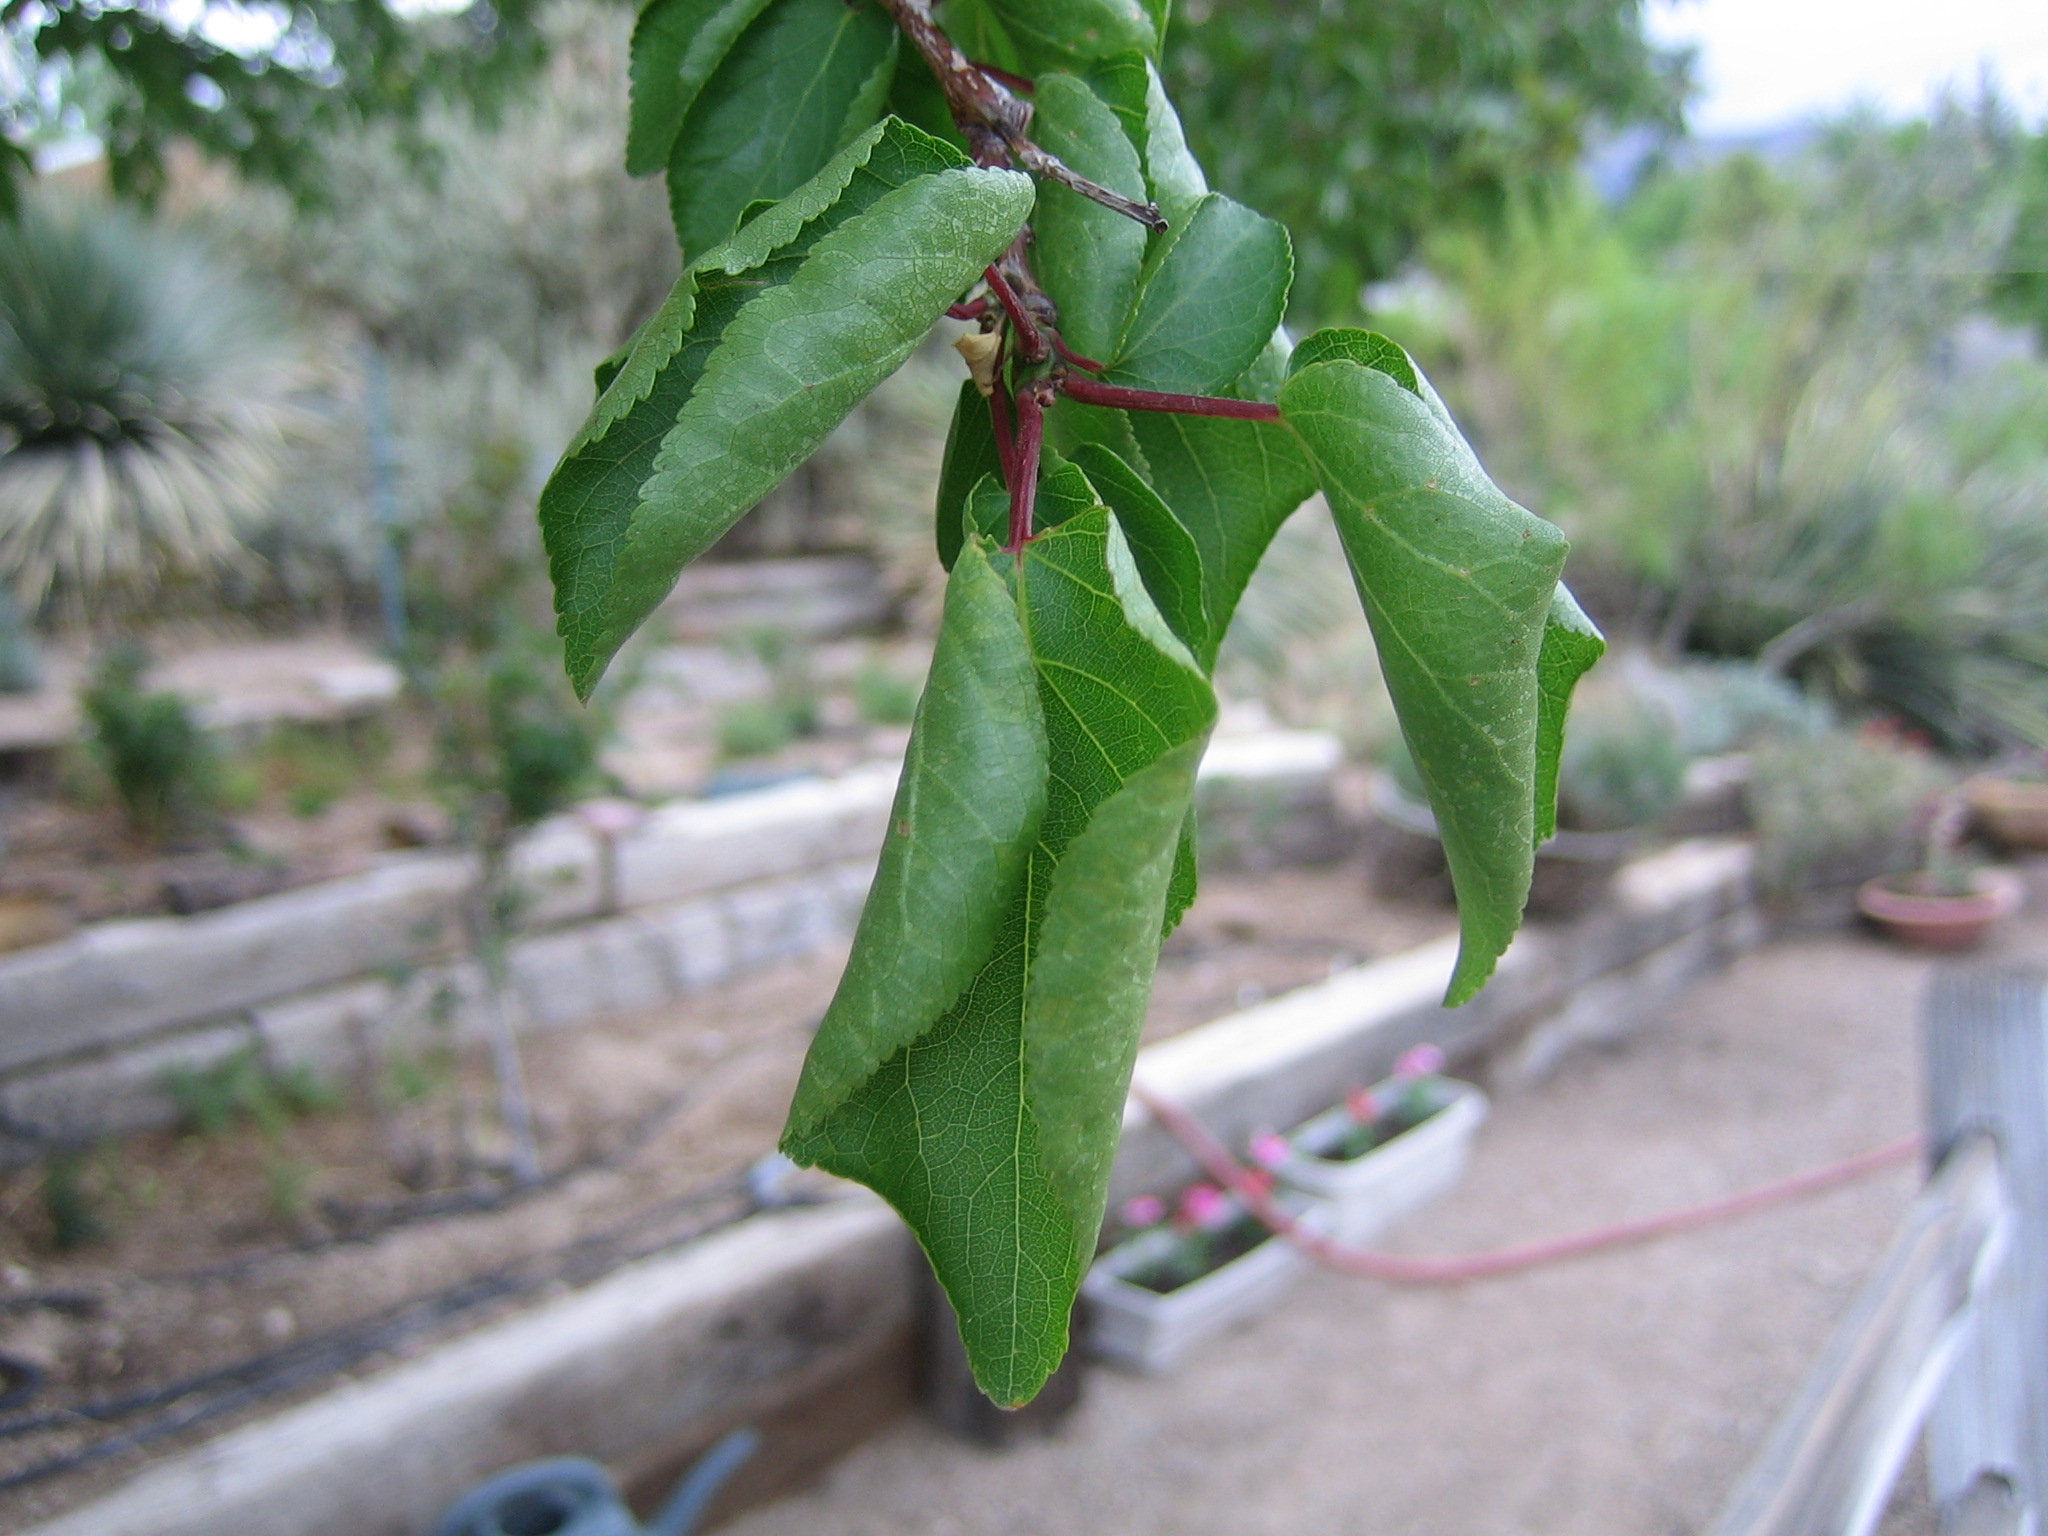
(1620, 1395)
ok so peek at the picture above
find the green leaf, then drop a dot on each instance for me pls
(676, 46)
(1055, 34)
(764, 346)
(1087, 257)
(1368, 349)
(970, 455)
(1571, 644)
(992, 1131)
(1458, 583)
(816, 72)
(1167, 556)
(1231, 484)
(1213, 292)
(965, 819)
(1175, 176)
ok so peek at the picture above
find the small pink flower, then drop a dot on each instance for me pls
(1270, 1150)
(1364, 1106)
(1203, 1208)
(1143, 1211)
(1423, 1060)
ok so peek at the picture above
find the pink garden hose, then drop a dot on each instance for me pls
(1221, 1166)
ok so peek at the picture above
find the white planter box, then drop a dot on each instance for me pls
(1369, 1194)
(1153, 1331)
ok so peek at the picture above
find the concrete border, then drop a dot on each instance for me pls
(784, 1309)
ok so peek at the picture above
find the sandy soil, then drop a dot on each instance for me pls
(223, 1248)
(1614, 1396)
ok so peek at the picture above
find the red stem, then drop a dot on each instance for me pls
(1006, 442)
(1024, 481)
(1076, 359)
(973, 309)
(1116, 396)
(1030, 340)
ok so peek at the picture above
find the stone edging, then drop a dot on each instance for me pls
(656, 1360)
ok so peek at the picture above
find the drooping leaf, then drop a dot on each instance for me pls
(1457, 582)
(966, 816)
(993, 1130)
(1231, 484)
(816, 72)
(676, 46)
(1087, 257)
(1168, 558)
(970, 454)
(1212, 293)
(763, 347)
(1571, 644)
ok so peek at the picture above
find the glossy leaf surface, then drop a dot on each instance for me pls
(992, 1127)
(815, 72)
(763, 347)
(676, 46)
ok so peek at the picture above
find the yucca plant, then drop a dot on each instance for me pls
(146, 400)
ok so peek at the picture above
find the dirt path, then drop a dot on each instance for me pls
(1615, 1396)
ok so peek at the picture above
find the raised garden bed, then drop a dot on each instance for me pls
(358, 1201)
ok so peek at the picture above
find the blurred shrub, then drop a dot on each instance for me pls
(1838, 808)
(1622, 765)
(147, 404)
(150, 746)
(884, 697)
(243, 1088)
(1753, 401)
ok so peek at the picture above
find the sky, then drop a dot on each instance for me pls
(1767, 63)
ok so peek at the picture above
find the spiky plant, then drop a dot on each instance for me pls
(146, 401)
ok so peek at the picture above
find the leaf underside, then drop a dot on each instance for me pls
(1458, 583)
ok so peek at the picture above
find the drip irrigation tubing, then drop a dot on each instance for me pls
(225, 1389)
(1400, 1269)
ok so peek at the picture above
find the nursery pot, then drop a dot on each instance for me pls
(1368, 1194)
(2014, 811)
(1153, 1331)
(1941, 922)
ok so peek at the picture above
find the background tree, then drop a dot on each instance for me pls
(255, 85)
(1362, 124)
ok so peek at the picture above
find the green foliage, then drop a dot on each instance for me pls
(884, 697)
(1743, 396)
(151, 748)
(1622, 766)
(150, 74)
(974, 1063)
(74, 1203)
(1838, 808)
(2022, 288)
(146, 403)
(1459, 583)
(1362, 126)
(242, 1088)
(785, 328)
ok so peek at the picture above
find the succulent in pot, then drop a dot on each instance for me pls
(1949, 902)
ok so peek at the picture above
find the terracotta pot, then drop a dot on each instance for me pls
(2015, 811)
(1941, 922)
